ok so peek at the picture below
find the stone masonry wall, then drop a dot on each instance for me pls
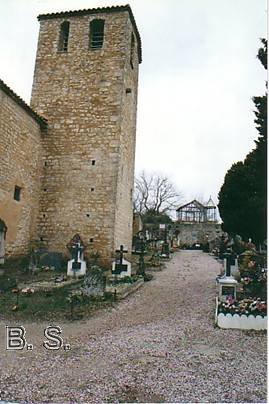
(191, 233)
(20, 151)
(124, 201)
(81, 93)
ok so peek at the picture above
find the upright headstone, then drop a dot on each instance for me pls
(77, 265)
(51, 259)
(121, 267)
(227, 283)
(165, 253)
(234, 267)
(94, 282)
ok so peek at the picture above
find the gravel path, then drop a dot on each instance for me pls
(158, 345)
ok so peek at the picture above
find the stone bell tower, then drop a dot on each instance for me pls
(85, 85)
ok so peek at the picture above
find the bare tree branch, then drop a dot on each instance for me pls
(156, 193)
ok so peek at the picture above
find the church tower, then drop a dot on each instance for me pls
(85, 85)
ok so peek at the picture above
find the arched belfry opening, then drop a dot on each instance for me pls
(64, 36)
(3, 230)
(132, 51)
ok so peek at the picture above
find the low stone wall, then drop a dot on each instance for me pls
(191, 233)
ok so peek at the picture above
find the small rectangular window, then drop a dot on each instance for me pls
(96, 34)
(17, 193)
(93, 162)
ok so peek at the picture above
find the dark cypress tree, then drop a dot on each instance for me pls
(243, 196)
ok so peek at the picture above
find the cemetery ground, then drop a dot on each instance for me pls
(46, 304)
(158, 345)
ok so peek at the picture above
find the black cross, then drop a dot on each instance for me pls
(76, 265)
(141, 270)
(121, 251)
(228, 257)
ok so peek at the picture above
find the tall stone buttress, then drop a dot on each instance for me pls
(85, 85)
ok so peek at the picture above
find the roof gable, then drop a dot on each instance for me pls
(194, 203)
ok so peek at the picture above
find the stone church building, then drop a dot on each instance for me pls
(67, 160)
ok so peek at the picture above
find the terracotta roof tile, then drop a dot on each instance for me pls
(40, 120)
(113, 9)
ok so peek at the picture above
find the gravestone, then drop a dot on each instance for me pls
(51, 259)
(165, 252)
(94, 282)
(227, 283)
(77, 265)
(235, 268)
(121, 267)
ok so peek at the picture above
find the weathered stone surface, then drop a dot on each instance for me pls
(82, 92)
(191, 233)
(20, 165)
(78, 177)
(94, 282)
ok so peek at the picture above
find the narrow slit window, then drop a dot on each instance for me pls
(132, 51)
(96, 34)
(64, 35)
(17, 193)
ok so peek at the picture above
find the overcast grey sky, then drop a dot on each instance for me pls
(197, 78)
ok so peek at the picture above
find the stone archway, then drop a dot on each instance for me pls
(3, 230)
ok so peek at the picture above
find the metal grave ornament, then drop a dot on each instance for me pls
(165, 253)
(227, 284)
(76, 266)
(121, 267)
(141, 263)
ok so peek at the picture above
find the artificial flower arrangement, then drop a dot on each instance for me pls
(255, 306)
(253, 274)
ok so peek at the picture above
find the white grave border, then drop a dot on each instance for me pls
(240, 321)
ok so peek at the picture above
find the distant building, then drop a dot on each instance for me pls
(197, 223)
(196, 212)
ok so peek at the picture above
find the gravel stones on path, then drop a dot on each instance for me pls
(158, 345)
